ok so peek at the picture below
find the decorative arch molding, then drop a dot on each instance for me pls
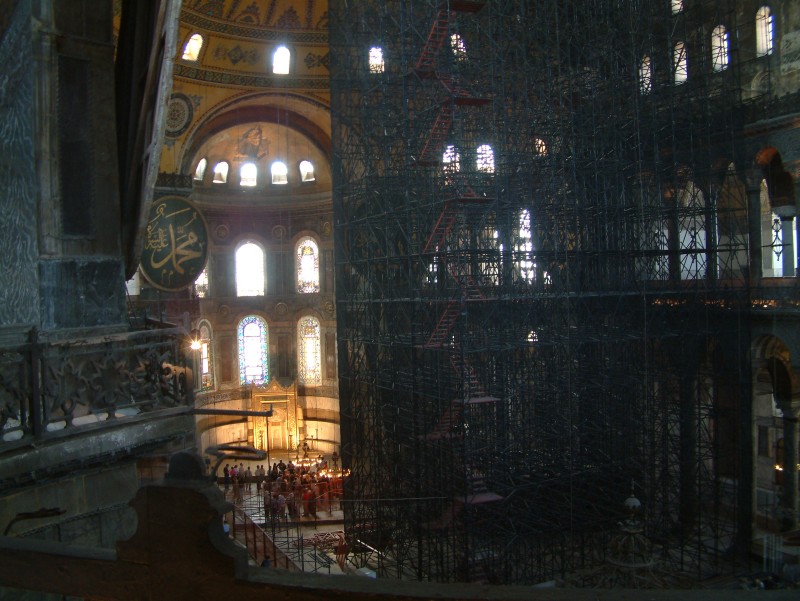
(237, 112)
(772, 363)
(780, 183)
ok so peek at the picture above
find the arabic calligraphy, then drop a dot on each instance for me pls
(175, 244)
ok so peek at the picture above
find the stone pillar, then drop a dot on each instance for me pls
(787, 256)
(754, 229)
(791, 412)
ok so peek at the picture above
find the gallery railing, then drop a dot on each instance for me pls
(48, 386)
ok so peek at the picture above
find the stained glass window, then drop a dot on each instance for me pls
(249, 270)
(253, 364)
(308, 348)
(307, 266)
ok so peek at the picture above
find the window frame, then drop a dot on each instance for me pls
(484, 159)
(375, 61)
(193, 54)
(680, 63)
(720, 48)
(263, 342)
(304, 179)
(307, 241)
(238, 270)
(285, 63)
(253, 178)
(458, 47)
(224, 175)
(273, 173)
(205, 355)
(200, 170)
(765, 31)
(646, 75)
(302, 352)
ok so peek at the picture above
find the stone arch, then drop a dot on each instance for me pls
(773, 365)
(780, 182)
(774, 389)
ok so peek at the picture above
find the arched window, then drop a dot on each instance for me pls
(539, 147)
(719, 48)
(205, 357)
(485, 159)
(677, 6)
(376, 59)
(307, 171)
(249, 270)
(524, 261)
(307, 262)
(280, 60)
(730, 217)
(692, 232)
(490, 249)
(653, 232)
(248, 175)
(221, 172)
(773, 244)
(458, 47)
(200, 171)
(201, 284)
(765, 31)
(309, 360)
(645, 75)
(253, 355)
(280, 173)
(680, 63)
(191, 50)
(451, 163)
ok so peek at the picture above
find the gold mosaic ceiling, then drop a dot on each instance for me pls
(283, 15)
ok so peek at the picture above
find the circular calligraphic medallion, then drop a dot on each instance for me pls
(179, 115)
(175, 244)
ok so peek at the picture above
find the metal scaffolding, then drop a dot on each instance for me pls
(542, 255)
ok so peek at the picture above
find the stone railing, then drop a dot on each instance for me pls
(49, 386)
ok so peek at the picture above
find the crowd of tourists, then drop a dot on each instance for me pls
(288, 490)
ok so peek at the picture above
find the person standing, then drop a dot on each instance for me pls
(226, 477)
(237, 491)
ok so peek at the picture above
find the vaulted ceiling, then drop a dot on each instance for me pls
(230, 88)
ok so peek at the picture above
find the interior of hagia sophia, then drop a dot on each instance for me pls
(510, 285)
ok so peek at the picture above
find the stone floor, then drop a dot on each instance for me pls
(307, 541)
